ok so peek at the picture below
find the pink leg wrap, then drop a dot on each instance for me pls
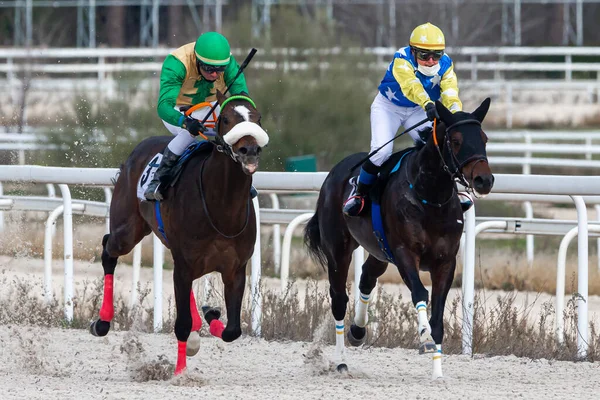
(181, 361)
(107, 312)
(196, 320)
(216, 328)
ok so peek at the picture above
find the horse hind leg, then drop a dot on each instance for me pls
(193, 342)
(338, 274)
(371, 270)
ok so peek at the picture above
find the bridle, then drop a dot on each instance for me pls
(454, 162)
(223, 146)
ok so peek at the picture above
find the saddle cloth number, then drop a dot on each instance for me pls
(148, 175)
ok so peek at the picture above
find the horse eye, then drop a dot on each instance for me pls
(225, 120)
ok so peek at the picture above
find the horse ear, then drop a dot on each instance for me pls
(482, 110)
(220, 97)
(445, 114)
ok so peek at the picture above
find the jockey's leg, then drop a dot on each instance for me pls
(171, 154)
(386, 118)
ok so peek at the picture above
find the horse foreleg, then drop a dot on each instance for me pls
(234, 283)
(371, 270)
(101, 326)
(183, 323)
(441, 278)
(408, 267)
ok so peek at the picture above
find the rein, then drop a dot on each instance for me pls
(210, 221)
(426, 202)
(457, 173)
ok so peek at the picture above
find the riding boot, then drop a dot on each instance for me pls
(164, 169)
(355, 203)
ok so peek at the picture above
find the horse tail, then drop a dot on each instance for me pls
(312, 240)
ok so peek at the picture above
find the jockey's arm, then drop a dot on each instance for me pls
(172, 76)
(239, 86)
(449, 88)
(411, 86)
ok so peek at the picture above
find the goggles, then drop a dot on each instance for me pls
(425, 55)
(212, 68)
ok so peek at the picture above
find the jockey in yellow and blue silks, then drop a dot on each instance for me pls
(419, 74)
(190, 75)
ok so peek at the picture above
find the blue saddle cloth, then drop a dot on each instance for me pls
(388, 169)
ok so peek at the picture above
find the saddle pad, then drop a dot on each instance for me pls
(147, 175)
(194, 149)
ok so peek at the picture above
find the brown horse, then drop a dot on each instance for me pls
(209, 221)
(421, 218)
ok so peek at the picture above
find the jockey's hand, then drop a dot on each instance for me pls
(193, 126)
(431, 111)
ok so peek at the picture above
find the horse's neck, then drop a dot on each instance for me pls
(428, 176)
(230, 185)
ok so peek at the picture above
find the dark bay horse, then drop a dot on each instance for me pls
(208, 216)
(422, 220)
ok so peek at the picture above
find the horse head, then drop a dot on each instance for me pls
(239, 131)
(461, 142)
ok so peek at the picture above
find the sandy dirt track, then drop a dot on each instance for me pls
(71, 364)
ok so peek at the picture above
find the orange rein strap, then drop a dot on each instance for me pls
(434, 129)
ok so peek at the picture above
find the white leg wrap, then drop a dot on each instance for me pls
(422, 315)
(361, 318)
(437, 362)
(340, 350)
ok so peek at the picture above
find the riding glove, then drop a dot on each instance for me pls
(431, 111)
(193, 126)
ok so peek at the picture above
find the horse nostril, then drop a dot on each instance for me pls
(258, 150)
(483, 183)
(243, 150)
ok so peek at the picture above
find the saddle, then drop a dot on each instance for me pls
(197, 149)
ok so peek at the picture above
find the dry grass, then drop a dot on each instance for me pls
(500, 329)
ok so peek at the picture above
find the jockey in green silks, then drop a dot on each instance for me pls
(191, 75)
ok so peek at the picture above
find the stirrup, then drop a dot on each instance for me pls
(154, 195)
(348, 206)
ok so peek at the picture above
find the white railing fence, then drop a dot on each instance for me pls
(574, 186)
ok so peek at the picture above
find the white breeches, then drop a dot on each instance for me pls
(386, 119)
(182, 137)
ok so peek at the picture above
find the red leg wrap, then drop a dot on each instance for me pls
(216, 328)
(181, 360)
(107, 312)
(196, 320)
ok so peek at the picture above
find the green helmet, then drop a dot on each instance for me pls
(212, 48)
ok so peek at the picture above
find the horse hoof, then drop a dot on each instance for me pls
(193, 344)
(427, 347)
(342, 368)
(231, 335)
(356, 335)
(211, 313)
(99, 328)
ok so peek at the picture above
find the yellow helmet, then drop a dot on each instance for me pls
(427, 36)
